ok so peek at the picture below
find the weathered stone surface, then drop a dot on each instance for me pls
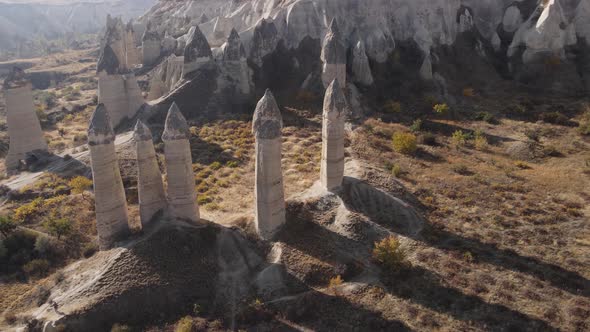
(131, 51)
(152, 198)
(24, 129)
(157, 88)
(269, 193)
(111, 204)
(120, 94)
(182, 197)
(264, 40)
(332, 162)
(333, 56)
(546, 33)
(197, 51)
(360, 65)
(108, 61)
(233, 50)
(151, 46)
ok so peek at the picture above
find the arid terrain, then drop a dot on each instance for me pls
(502, 188)
(192, 178)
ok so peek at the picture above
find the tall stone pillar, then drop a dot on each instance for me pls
(149, 178)
(131, 51)
(109, 195)
(182, 197)
(234, 61)
(332, 163)
(24, 129)
(333, 57)
(269, 193)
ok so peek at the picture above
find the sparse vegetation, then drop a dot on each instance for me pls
(441, 109)
(405, 143)
(389, 254)
(460, 138)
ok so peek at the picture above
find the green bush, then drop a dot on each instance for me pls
(416, 126)
(36, 268)
(460, 138)
(7, 225)
(441, 109)
(405, 143)
(397, 171)
(59, 227)
(232, 164)
(554, 118)
(392, 107)
(216, 165)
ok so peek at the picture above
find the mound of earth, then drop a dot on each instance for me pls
(174, 267)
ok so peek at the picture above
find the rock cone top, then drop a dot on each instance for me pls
(176, 127)
(100, 130)
(197, 46)
(267, 122)
(142, 132)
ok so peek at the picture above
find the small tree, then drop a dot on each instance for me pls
(7, 225)
(405, 143)
(80, 185)
(59, 227)
(390, 255)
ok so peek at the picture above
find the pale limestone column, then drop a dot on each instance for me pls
(182, 197)
(134, 96)
(131, 51)
(24, 129)
(112, 93)
(269, 194)
(149, 178)
(151, 46)
(157, 88)
(332, 162)
(333, 57)
(111, 205)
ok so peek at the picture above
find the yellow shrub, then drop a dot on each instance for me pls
(405, 143)
(441, 109)
(27, 212)
(392, 107)
(389, 254)
(184, 325)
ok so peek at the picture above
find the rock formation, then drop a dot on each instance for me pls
(118, 91)
(197, 51)
(269, 194)
(151, 44)
(332, 162)
(109, 194)
(131, 51)
(150, 187)
(264, 40)
(333, 57)
(121, 39)
(235, 63)
(24, 129)
(182, 197)
(361, 69)
(157, 88)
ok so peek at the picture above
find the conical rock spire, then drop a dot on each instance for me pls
(100, 130)
(333, 50)
(197, 46)
(334, 100)
(233, 49)
(142, 132)
(267, 123)
(176, 127)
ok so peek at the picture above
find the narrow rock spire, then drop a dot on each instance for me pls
(111, 204)
(100, 130)
(175, 127)
(149, 178)
(264, 40)
(24, 129)
(182, 197)
(267, 123)
(333, 56)
(234, 50)
(269, 193)
(360, 65)
(332, 162)
(151, 45)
